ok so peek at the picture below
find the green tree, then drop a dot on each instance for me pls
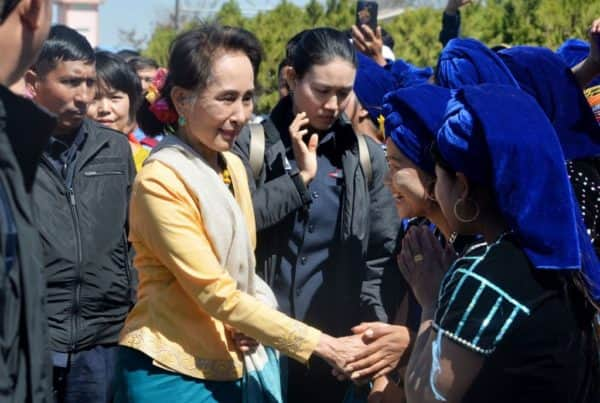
(231, 14)
(314, 13)
(158, 46)
(534, 22)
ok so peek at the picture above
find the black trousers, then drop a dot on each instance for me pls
(88, 376)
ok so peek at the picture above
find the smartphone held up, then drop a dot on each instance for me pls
(366, 14)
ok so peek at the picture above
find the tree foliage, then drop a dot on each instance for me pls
(534, 22)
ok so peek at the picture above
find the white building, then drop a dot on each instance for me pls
(81, 15)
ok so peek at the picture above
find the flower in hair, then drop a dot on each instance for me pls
(152, 94)
(154, 91)
(164, 112)
(160, 78)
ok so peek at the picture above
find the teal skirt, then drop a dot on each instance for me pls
(137, 381)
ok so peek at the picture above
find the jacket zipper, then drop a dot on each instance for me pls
(78, 278)
(70, 194)
(128, 267)
(96, 173)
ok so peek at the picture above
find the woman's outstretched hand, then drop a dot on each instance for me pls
(387, 347)
(338, 352)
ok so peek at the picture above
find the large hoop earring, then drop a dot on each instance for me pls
(463, 219)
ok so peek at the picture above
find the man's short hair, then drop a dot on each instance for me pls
(6, 7)
(127, 54)
(64, 44)
(141, 63)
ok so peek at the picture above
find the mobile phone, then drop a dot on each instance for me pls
(366, 14)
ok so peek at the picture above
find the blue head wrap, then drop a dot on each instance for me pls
(573, 51)
(373, 81)
(543, 75)
(412, 117)
(408, 74)
(371, 84)
(498, 137)
(466, 61)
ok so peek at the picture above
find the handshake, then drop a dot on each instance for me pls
(374, 350)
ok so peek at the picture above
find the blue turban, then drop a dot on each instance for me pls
(543, 75)
(412, 117)
(499, 137)
(373, 81)
(574, 51)
(466, 61)
(409, 75)
(371, 84)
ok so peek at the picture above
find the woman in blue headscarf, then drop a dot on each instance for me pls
(467, 61)
(370, 86)
(543, 74)
(412, 117)
(513, 318)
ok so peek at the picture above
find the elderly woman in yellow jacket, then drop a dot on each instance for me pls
(192, 226)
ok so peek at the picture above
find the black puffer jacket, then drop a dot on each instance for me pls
(84, 235)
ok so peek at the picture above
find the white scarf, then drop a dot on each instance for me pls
(229, 234)
(224, 222)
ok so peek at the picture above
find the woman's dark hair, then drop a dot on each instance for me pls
(438, 159)
(6, 7)
(191, 57)
(388, 40)
(319, 46)
(290, 47)
(114, 73)
(138, 63)
(64, 44)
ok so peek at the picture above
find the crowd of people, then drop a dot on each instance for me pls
(387, 233)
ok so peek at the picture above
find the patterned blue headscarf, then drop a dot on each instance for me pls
(543, 75)
(412, 117)
(373, 81)
(499, 137)
(466, 61)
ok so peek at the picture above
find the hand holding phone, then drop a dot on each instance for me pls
(369, 43)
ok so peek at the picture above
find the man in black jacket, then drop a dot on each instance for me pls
(81, 197)
(25, 370)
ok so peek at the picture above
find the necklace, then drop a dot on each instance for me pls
(226, 176)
